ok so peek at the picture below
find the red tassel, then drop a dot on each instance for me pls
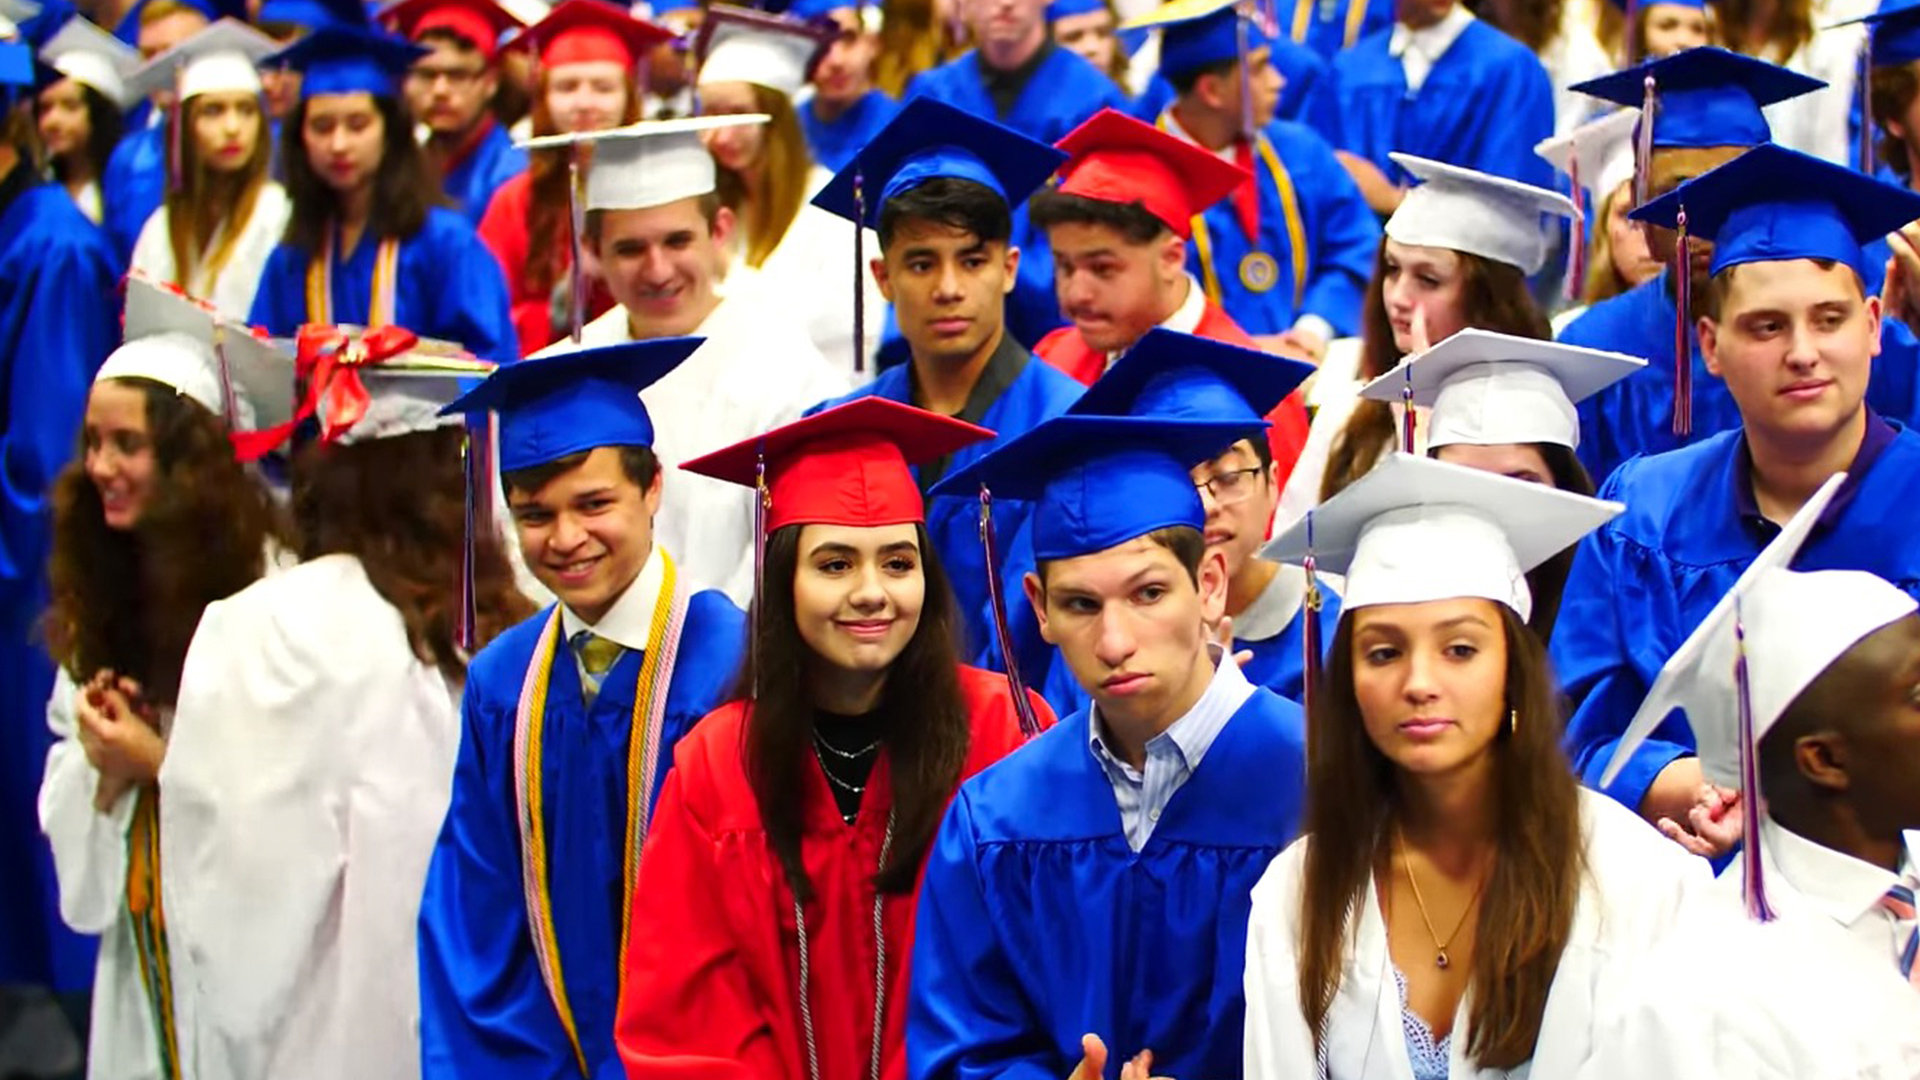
(1682, 347)
(466, 630)
(1577, 257)
(1633, 33)
(1310, 635)
(576, 226)
(1022, 708)
(1406, 404)
(762, 502)
(1752, 886)
(859, 272)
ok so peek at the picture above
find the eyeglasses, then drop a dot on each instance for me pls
(458, 78)
(1233, 486)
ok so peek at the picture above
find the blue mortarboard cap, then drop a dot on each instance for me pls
(1201, 33)
(1704, 97)
(315, 14)
(1772, 204)
(1895, 32)
(1175, 376)
(16, 65)
(552, 406)
(1099, 481)
(337, 60)
(1063, 9)
(818, 9)
(929, 139)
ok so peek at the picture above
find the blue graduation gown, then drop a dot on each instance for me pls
(1453, 117)
(132, 186)
(1645, 580)
(1279, 662)
(1038, 924)
(1329, 26)
(1635, 415)
(449, 287)
(1306, 94)
(1040, 392)
(470, 184)
(835, 142)
(484, 1010)
(59, 318)
(1065, 90)
(1256, 280)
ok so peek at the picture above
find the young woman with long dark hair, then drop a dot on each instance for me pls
(80, 108)
(1458, 906)
(792, 831)
(153, 521)
(1793, 34)
(223, 214)
(313, 743)
(366, 244)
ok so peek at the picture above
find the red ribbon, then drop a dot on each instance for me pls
(329, 360)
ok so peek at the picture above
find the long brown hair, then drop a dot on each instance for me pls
(927, 736)
(1534, 23)
(547, 224)
(910, 42)
(1526, 911)
(128, 600)
(202, 198)
(1496, 298)
(1891, 90)
(398, 505)
(1790, 28)
(404, 187)
(783, 167)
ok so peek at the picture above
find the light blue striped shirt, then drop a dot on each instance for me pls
(1172, 755)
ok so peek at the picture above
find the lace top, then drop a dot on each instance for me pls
(1430, 1057)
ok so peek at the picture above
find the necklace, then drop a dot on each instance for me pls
(1441, 959)
(851, 789)
(849, 755)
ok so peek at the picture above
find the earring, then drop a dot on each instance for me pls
(1513, 721)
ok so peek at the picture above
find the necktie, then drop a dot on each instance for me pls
(597, 656)
(1899, 903)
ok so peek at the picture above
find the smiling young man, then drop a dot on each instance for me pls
(1097, 883)
(1790, 330)
(569, 722)
(451, 92)
(657, 231)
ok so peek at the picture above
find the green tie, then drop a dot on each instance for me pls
(597, 654)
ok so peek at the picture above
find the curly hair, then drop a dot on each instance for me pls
(128, 600)
(398, 505)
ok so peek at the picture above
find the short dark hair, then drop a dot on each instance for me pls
(447, 35)
(1187, 543)
(1132, 220)
(966, 205)
(1183, 82)
(1718, 285)
(637, 462)
(594, 219)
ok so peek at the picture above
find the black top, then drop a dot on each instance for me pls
(847, 747)
(1004, 87)
(1009, 359)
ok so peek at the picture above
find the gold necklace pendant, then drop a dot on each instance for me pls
(1440, 961)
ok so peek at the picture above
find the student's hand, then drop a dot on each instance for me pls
(118, 739)
(1383, 195)
(1222, 635)
(1140, 1068)
(1294, 345)
(1713, 823)
(1417, 334)
(1093, 1059)
(1900, 296)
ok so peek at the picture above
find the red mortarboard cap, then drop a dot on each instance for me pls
(1115, 158)
(578, 31)
(847, 465)
(479, 21)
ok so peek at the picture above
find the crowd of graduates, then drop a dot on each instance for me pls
(1368, 539)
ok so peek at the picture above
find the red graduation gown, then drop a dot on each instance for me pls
(1067, 350)
(504, 231)
(710, 970)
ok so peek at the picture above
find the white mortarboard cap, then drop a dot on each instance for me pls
(1489, 389)
(222, 58)
(180, 342)
(651, 163)
(1464, 210)
(1796, 625)
(1415, 529)
(1603, 149)
(92, 57)
(753, 47)
(408, 392)
(12, 14)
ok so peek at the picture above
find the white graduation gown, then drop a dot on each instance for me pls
(307, 774)
(811, 271)
(755, 371)
(1807, 882)
(232, 291)
(1638, 884)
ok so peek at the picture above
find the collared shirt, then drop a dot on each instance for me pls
(1419, 50)
(1008, 360)
(1173, 755)
(1273, 610)
(1844, 888)
(628, 623)
(1185, 318)
(1005, 87)
(1878, 436)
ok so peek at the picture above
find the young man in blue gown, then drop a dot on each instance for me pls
(451, 92)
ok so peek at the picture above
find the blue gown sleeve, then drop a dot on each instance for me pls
(484, 1010)
(1525, 119)
(280, 303)
(1590, 653)
(1347, 238)
(132, 187)
(967, 1016)
(475, 307)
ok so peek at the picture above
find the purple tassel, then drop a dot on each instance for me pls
(1023, 708)
(1682, 348)
(1406, 404)
(576, 226)
(1866, 107)
(229, 411)
(1752, 887)
(466, 630)
(1633, 33)
(1643, 145)
(762, 502)
(1577, 258)
(1310, 637)
(859, 272)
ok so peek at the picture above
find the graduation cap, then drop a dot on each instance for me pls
(928, 139)
(1489, 389)
(584, 31)
(1415, 530)
(224, 57)
(1116, 158)
(824, 9)
(338, 60)
(478, 22)
(92, 57)
(1596, 157)
(651, 163)
(230, 369)
(1481, 214)
(1702, 97)
(1772, 204)
(1760, 646)
(741, 45)
(1196, 34)
(1173, 376)
(315, 14)
(1893, 38)
(552, 406)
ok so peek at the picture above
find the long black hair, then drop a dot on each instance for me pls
(404, 187)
